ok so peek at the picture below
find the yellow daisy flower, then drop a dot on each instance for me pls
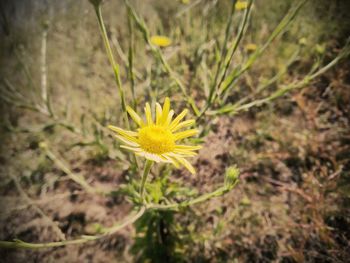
(250, 47)
(156, 140)
(161, 41)
(241, 5)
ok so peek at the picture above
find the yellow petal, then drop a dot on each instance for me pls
(171, 160)
(185, 163)
(188, 147)
(133, 149)
(135, 116)
(158, 113)
(178, 119)
(185, 134)
(185, 152)
(126, 141)
(183, 125)
(169, 118)
(122, 132)
(166, 108)
(151, 156)
(148, 114)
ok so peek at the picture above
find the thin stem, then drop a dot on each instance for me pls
(227, 61)
(268, 83)
(43, 66)
(237, 72)
(223, 50)
(32, 86)
(114, 65)
(176, 206)
(21, 244)
(287, 88)
(131, 61)
(146, 171)
(157, 53)
(30, 202)
(43, 84)
(61, 165)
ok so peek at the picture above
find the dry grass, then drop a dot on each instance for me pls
(291, 204)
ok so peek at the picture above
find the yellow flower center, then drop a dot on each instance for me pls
(156, 139)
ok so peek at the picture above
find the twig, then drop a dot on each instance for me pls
(43, 66)
(78, 179)
(176, 206)
(115, 66)
(30, 202)
(110, 231)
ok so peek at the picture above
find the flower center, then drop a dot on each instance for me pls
(156, 139)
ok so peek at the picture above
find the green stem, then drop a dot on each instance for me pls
(223, 50)
(176, 206)
(131, 61)
(21, 244)
(157, 53)
(146, 171)
(114, 65)
(78, 179)
(221, 73)
(226, 85)
(235, 108)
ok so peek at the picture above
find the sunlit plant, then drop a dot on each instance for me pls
(159, 135)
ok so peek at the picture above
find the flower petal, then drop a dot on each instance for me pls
(188, 147)
(169, 118)
(178, 119)
(158, 113)
(185, 134)
(133, 149)
(166, 108)
(183, 125)
(148, 114)
(126, 141)
(185, 152)
(135, 116)
(185, 163)
(129, 135)
(171, 160)
(151, 156)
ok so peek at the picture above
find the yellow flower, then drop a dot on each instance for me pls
(185, 2)
(303, 41)
(156, 140)
(161, 41)
(320, 48)
(250, 47)
(241, 5)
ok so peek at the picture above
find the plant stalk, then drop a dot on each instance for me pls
(146, 171)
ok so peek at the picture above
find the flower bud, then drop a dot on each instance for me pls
(43, 145)
(231, 176)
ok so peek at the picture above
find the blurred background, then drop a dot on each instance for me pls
(58, 95)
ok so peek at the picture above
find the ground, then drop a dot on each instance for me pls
(291, 203)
